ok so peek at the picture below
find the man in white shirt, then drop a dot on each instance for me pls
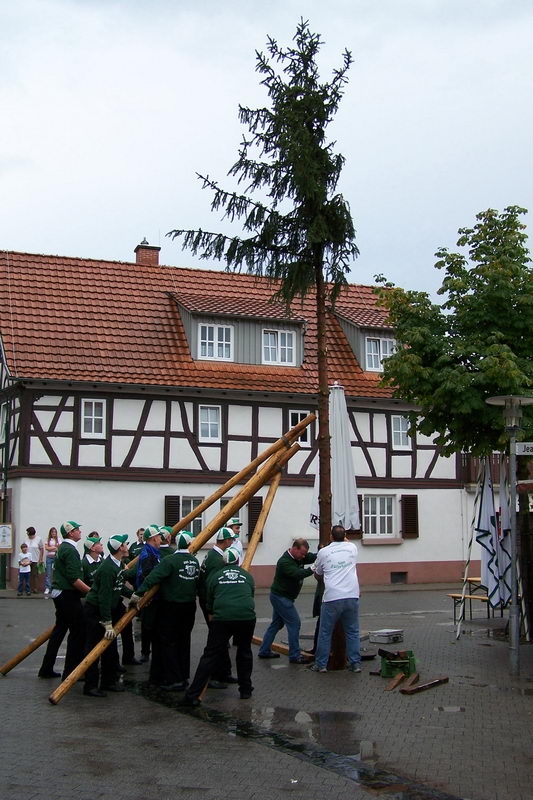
(337, 563)
(36, 552)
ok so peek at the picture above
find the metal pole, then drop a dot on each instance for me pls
(514, 612)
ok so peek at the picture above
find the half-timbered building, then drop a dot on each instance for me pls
(131, 391)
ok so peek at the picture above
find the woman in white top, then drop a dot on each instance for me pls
(51, 545)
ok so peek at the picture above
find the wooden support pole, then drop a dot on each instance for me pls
(255, 538)
(8, 666)
(284, 441)
(255, 483)
(272, 466)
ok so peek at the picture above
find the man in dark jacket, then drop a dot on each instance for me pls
(230, 604)
(177, 575)
(290, 574)
(67, 590)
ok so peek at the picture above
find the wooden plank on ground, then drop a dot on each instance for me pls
(411, 680)
(391, 686)
(421, 687)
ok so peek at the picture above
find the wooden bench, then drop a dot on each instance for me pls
(457, 598)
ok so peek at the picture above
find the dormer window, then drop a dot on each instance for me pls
(215, 342)
(278, 347)
(378, 348)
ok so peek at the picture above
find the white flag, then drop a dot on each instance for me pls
(487, 536)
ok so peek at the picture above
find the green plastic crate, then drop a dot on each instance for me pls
(391, 667)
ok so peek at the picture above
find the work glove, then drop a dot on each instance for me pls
(134, 601)
(109, 630)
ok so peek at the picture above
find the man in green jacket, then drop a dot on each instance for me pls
(103, 606)
(92, 557)
(290, 574)
(67, 591)
(230, 603)
(177, 576)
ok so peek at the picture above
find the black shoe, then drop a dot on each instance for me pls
(113, 687)
(94, 693)
(144, 658)
(230, 679)
(300, 660)
(131, 662)
(52, 674)
(268, 655)
(192, 702)
(19, 594)
(121, 670)
(217, 685)
(245, 695)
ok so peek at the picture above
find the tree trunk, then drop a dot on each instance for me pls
(324, 447)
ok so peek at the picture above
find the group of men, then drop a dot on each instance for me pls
(226, 597)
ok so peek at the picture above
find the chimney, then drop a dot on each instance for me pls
(147, 254)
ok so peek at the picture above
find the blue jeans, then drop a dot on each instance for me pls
(284, 614)
(49, 570)
(24, 583)
(347, 612)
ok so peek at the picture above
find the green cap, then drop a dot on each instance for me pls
(90, 540)
(68, 527)
(150, 532)
(231, 556)
(116, 541)
(235, 521)
(183, 540)
(225, 533)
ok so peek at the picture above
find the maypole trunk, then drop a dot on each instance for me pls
(324, 447)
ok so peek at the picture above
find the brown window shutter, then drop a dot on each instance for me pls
(353, 534)
(172, 509)
(409, 516)
(255, 506)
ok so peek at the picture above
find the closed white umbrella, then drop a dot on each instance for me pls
(344, 505)
(487, 536)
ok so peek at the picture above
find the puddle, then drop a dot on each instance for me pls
(302, 746)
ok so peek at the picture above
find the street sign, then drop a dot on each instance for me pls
(524, 448)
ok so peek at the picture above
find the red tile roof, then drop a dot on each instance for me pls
(73, 319)
(234, 306)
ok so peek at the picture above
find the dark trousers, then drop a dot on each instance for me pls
(223, 669)
(24, 583)
(220, 633)
(69, 617)
(108, 661)
(128, 649)
(174, 625)
(34, 580)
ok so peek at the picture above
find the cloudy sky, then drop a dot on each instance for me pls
(109, 107)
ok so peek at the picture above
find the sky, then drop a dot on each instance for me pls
(110, 107)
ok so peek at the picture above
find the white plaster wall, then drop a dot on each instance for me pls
(380, 428)
(175, 417)
(239, 455)
(239, 421)
(401, 466)
(65, 423)
(444, 468)
(62, 448)
(363, 425)
(38, 454)
(156, 416)
(211, 457)
(378, 456)
(91, 455)
(47, 400)
(149, 453)
(360, 463)
(182, 456)
(270, 422)
(120, 447)
(45, 418)
(423, 460)
(127, 413)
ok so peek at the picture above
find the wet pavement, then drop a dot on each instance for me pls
(303, 734)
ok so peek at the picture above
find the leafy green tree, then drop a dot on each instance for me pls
(298, 230)
(475, 344)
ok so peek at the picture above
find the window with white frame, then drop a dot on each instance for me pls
(278, 347)
(378, 515)
(400, 433)
(378, 348)
(188, 504)
(209, 424)
(93, 419)
(294, 418)
(215, 342)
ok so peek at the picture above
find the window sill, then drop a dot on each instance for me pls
(372, 540)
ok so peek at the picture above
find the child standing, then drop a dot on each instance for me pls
(24, 562)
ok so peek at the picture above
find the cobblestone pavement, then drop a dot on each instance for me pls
(301, 736)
